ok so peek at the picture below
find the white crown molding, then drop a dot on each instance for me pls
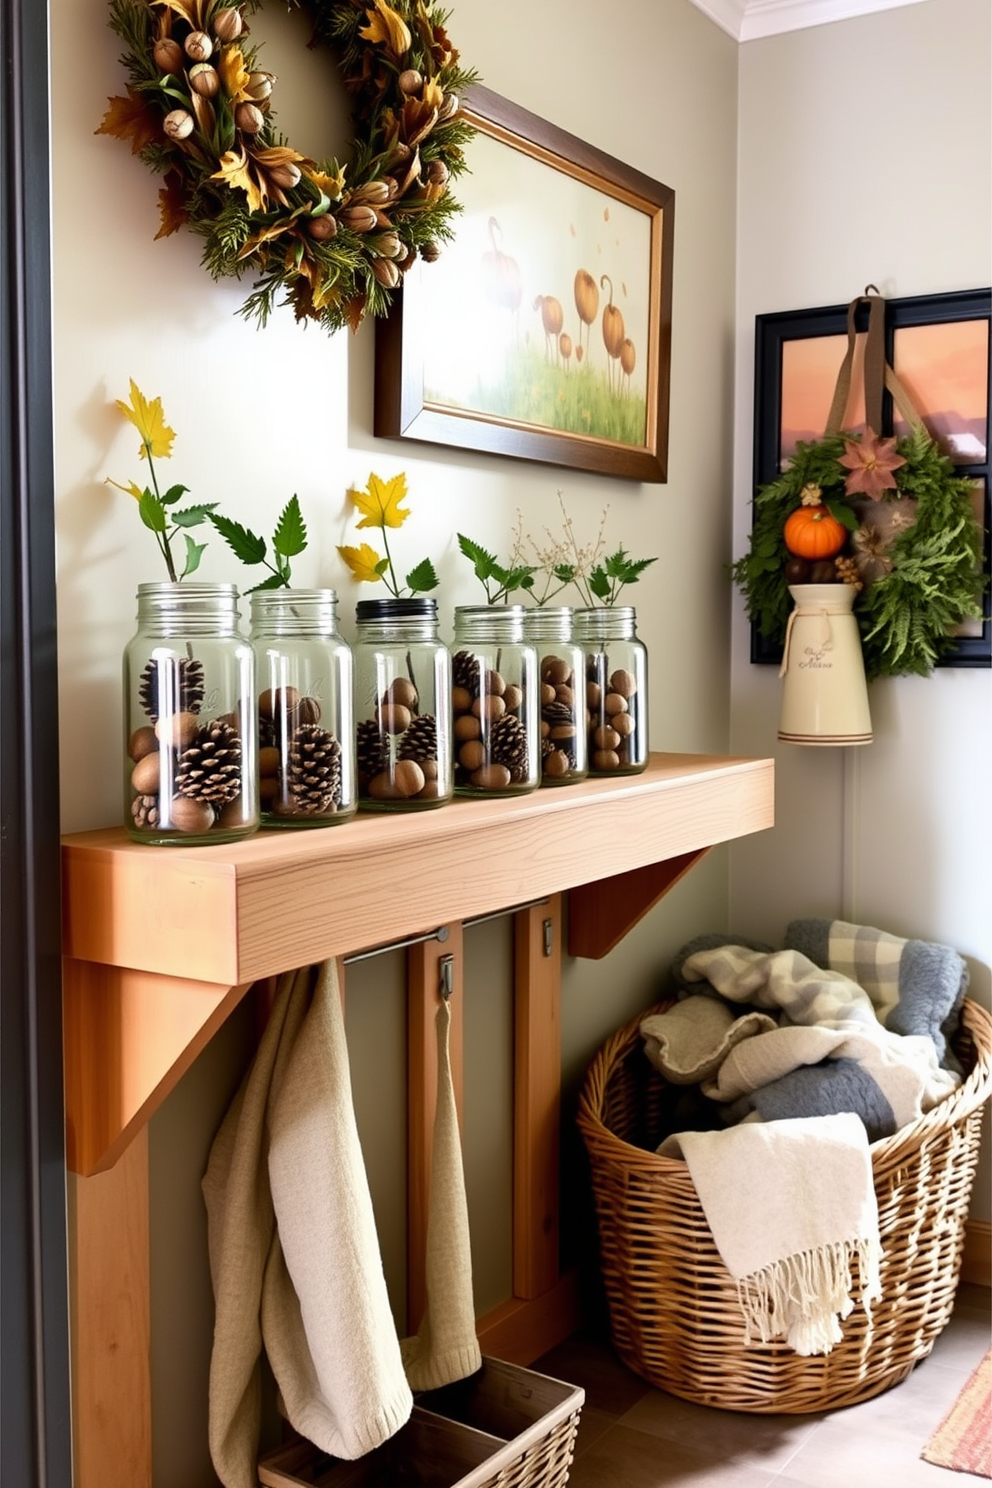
(748, 20)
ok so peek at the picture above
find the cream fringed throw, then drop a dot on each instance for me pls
(792, 1208)
(446, 1347)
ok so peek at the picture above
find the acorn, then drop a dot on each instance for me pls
(204, 80)
(386, 272)
(823, 571)
(199, 46)
(227, 24)
(323, 228)
(438, 173)
(285, 176)
(359, 219)
(430, 252)
(178, 124)
(168, 54)
(249, 118)
(259, 86)
(410, 81)
(386, 244)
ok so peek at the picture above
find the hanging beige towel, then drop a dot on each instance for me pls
(294, 1255)
(446, 1347)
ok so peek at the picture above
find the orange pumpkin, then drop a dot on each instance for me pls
(811, 532)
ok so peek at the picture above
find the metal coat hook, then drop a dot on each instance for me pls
(446, 972)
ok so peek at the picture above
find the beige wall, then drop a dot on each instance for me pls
(866, 156)
(261, 415)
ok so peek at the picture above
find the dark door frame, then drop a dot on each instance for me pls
(35, 1432)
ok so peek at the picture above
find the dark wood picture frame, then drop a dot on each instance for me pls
(776, 332)
(407, 409)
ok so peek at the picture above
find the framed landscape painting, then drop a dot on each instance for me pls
(543, 331)
(939, 348)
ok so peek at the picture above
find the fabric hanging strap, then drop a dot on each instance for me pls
(446, 1347)
(824, 637)
(878, 373)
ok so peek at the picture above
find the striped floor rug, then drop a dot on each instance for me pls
(963, 1440)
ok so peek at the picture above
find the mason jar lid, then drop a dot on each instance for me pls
(294, 610)
(548, 623)
(490, 622)
(417, 607)
(605, 622)
(191, 603)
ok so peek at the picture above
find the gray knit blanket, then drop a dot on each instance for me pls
(773, 1035)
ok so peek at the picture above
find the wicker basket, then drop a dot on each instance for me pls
(674, 1313)
(503, 1427)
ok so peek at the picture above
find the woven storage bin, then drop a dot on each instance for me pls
(674, 1314)
(503, 1427)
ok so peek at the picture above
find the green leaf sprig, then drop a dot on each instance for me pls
(499, 580)
(156, 508)
(604, 582)
(288, 540)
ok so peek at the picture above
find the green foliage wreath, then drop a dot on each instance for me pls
(918, 573)
(334, 240)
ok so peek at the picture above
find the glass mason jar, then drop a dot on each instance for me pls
(616, 667)
(306, 722)
(189, 718)
(495, 702)
(561, 680)
(402, 706)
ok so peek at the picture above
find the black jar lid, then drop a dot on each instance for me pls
(415, 608)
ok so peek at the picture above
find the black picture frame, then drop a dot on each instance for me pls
(776, 332)
(531, 160)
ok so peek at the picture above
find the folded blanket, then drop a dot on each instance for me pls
(915, 986)
(689, 1041)
(823, 1016)
(792, 1207)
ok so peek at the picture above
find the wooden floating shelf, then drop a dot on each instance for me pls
(241, 911)
(161, 943)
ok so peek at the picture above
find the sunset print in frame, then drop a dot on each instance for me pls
(543, 331)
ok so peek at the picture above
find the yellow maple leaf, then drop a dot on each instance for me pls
(234, 74)
(363, 563)
(234, 172)
(379, 504)
(387, 26)
(147, 417)
(331, 186)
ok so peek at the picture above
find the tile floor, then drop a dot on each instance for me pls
(632, 1436)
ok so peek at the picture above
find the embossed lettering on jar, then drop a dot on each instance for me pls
(189, 688)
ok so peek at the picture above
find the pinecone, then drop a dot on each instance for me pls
(186, 686)
(370, 752)
(420, 740)
(210, 769)
(465, 671)
(144, 810)
(313, 770)
(557, 712)
(508, 745)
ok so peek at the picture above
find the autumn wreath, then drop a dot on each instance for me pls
(332, 240)
(888, 516)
